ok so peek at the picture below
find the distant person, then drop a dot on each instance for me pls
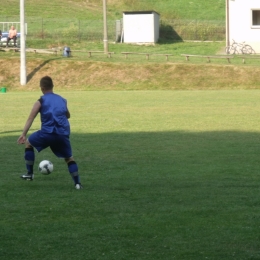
(12, 36)
(0, 35)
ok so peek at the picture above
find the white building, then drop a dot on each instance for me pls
(141, 27)
(243, 22)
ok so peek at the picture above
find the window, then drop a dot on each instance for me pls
(255, 18)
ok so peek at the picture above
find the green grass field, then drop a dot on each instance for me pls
(79, 20)
(93, 9)
(166, 175)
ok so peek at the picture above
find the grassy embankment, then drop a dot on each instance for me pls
(136, 72)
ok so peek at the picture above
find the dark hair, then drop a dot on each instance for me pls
(46, 82)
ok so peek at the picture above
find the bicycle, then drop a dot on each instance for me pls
(239, 48)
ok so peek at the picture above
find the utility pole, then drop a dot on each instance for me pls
(227, 23)
(105, 26)
(23, 76)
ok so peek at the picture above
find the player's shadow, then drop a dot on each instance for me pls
(31, 74)
(19, 131)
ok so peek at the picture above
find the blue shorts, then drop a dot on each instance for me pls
(59, 144)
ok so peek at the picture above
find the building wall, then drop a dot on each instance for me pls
(156, 28)
(141, 28)
(240, 22)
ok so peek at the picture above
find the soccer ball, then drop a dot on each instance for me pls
(45, 167)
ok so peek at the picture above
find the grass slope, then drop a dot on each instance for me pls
(168, 9)
(135, 72)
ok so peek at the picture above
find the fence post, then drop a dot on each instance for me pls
(79, 31)
(42, 28)
(196, 30)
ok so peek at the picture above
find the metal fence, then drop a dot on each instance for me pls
(5, 26)
(92, 30)
(88, 30)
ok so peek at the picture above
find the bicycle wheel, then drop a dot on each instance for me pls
(252, 50)
(230, 50)
(247, 49)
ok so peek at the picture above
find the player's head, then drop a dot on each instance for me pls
(46, 83)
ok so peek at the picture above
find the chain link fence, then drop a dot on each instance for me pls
(92, 30)
(87, 30)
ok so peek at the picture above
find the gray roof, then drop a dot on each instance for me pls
(140, 12)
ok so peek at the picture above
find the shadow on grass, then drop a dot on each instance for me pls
(18, 131)
(173, 153)
(31, 74)
(168, 35)
(154, 192)
(170, 153)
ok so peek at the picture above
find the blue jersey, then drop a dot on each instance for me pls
(54, 114)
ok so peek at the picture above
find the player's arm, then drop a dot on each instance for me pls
(35, 110)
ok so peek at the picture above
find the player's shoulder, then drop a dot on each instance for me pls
(53, 96)
(59, 96)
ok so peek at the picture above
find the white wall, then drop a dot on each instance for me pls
(240, 22)
(141, 28)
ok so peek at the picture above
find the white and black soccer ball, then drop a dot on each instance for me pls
(45, 167)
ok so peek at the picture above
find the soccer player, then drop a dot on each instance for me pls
(54, 133)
